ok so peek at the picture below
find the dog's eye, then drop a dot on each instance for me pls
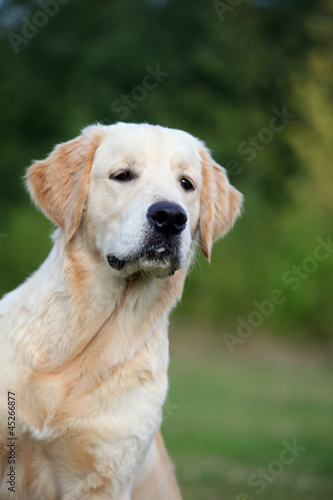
(186, 184)
(122, 176)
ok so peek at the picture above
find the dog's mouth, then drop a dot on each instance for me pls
(116, 263)
(160, 259)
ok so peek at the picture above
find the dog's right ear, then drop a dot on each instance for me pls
(59, 184)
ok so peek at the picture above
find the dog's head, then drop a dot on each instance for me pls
(140, 195)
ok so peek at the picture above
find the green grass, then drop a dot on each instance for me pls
(228, 416)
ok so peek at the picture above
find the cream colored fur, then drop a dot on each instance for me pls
(84, 347)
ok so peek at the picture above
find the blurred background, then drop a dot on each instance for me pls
(250, 409)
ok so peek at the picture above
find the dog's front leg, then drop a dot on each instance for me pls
(158, 480)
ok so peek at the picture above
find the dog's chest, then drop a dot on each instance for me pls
(110, 416)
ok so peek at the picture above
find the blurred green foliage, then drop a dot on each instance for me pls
(229, 73)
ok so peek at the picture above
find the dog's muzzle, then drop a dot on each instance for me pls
(162, 245)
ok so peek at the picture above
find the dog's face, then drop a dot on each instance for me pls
(144, 198)
(141, 193)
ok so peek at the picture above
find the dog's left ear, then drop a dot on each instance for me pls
(59, 184)
(221, 203)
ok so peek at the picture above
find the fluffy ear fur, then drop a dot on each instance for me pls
(220, 203)
(59, 184)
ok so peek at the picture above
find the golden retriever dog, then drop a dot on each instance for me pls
(84, 341)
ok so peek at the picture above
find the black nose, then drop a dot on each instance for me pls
(167, 218)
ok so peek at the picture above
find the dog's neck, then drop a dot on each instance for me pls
(98, 310)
